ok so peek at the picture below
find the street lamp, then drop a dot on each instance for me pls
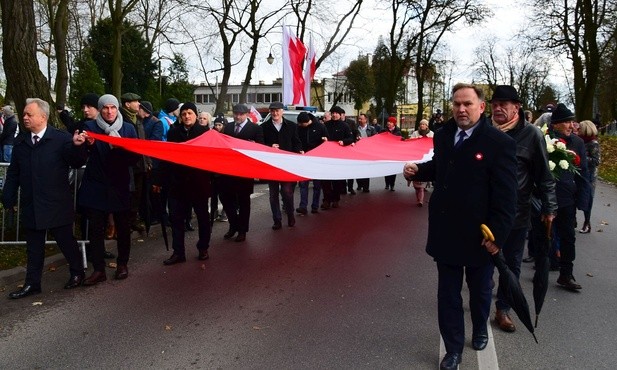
(270, 58)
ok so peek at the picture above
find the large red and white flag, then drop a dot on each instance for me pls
(379, 155)
(309, 70)
(294, 52)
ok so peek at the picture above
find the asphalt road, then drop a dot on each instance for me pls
(350, 288)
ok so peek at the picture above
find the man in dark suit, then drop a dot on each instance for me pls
(236, 191)
(282, 134)
(40, 167)
(474, 170)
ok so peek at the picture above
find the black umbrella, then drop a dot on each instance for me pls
(509, 284)
(540, 277)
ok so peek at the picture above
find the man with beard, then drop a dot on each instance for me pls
(105, 188)
(280, 133)
(467, 150)
(188, 188)
(236, 191)
(532, 172)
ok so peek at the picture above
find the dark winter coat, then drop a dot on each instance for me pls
(312, 135)
(339, 131)
(7, 137)
(287, 138)
(42, 173)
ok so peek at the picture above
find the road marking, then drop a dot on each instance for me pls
(487, 358)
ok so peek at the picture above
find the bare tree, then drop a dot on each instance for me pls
(118, 11)
(24, 78)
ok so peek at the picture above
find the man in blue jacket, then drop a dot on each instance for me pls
(40, 167)
(474, 172)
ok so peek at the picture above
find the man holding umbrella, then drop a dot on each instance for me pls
(532, 171)
(468, 150)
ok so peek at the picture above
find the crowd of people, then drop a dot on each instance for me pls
(492, 170)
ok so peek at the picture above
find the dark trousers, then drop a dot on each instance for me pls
(513, 249)
(304, 194)
(332, 189)
(178, 209)
(450, 302)
(563, 225)
(96, 233)
(35, 250)
(237, 206)
(363, 183)
(286, 190)
(390, 180)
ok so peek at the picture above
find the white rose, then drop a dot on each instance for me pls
(551, 165)
(564, 164)
(560, 145)
(550, 148)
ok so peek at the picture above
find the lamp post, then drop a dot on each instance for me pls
(270, 58)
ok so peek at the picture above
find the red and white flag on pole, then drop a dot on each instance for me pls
(254, 115)
(294, 52)
(309, 70)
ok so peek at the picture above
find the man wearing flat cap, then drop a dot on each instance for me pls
(236, 191)
(572, 191)
(532, 173)
(281, 133)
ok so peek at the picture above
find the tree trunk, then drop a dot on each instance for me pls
(60, 29)
(23, 76)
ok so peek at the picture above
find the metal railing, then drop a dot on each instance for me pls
(11, 219)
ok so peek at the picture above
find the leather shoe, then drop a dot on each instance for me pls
(291, 220)
(277, 225)
(479, 341)
(352, 192)
(95, 278)
(529, 259)
(74, 282)
(203, 255)
(302, 211)
(230, 234)
(241, 237)
(188, 227)
(108, 255)
(568, 282)
(504, 321)
(122, 272)
(25, 291)
(174, 259)
(450, 361)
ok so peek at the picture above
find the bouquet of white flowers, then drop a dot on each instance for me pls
(560, 159)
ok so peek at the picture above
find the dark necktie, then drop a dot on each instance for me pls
(237, 129)
(461, 138)
(35, 139)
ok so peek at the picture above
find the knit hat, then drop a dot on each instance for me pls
(187, 106)
(129, 97)
(90, 99)
(561, 114)
(171, 105)
(392, 120)
(146, 106)
(108, 99)
(304, 117)
(337, 109)
(220, 119)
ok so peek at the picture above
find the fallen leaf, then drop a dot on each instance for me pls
(599, 230)
(52, 268)
(387, 275)
(113, 265)
(603, 223)
(589, 274)
(20, 286)
(140, 240)
(38, 303)
(203, 266)
(168, 327)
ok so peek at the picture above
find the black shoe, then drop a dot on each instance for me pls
(229, 234)
(174, 259)
(241, 237)
(291, 220)
(137, 226)
(188, 227)
(450, 361)
(301, 211)
(122, 272)
(314, 210)
(277, 225)
(203, 255)
(366, 191)
(95, 278)
(586, 229)
(74, 282)
(529, 259)
(479, 341)
(25, 291)
(352, 192)
(108, 255)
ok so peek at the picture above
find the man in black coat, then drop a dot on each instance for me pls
(474, 171)
(188, 188)
(311, 133)
(532, 172)
(40, 167)
(7, 136)
(282, 134)
(236, 191)
(340, 132)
